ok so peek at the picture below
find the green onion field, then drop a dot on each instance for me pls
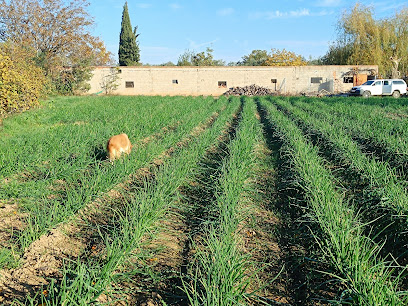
(222, 201)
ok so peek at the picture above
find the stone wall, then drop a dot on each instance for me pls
(216, 80)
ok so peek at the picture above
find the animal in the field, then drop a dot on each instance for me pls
(117, 145)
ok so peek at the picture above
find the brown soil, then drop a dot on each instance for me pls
(258, 235)
(12, 221)
(396, 116)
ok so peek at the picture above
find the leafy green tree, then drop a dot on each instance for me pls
(186, 59)
(255, 58)
(337, 55)
(364, 40)
(22, 83)
(190, 58)
(169, 63)
(275, 58)
(284, 58)
(129, 53)
(58, 32)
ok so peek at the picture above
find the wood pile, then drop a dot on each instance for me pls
(250, 90)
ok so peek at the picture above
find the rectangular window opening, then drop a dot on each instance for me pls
(175, 81)
(316, 80)
(348, 79)
(222, 84)
(129, 84)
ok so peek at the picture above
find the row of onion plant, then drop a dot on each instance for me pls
(71, 154)
(356, 257)
(370, 123)
(221, 269)
(381, 177)
(133, 222)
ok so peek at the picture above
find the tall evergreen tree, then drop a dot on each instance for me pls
(129, 53)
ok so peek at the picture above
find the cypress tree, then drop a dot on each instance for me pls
(128, 47)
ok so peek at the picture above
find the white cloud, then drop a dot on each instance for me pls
(225, 12)
(386, 6)
(280, 14)
(289, 14)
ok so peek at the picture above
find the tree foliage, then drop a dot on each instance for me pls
(109, 80)
(22, 83)
(337, 55)
(255, 58)
(362, 39)
(59, 33)
(275, 58)
(284, 58)
(129, 54)
(190, 58)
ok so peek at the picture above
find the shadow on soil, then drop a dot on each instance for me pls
(301, 254)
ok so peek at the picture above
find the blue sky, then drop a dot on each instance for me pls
(231, 28)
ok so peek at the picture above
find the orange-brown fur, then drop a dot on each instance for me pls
(117, 145)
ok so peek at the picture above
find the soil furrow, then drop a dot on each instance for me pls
(383, 226)
(301, 256)
(283, 203)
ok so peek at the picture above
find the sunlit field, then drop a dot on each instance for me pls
(222, 201)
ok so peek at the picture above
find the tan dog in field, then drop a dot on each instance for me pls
(117, 145)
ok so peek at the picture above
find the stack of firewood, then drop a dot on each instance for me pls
(251, 90)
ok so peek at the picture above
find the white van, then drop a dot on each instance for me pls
(394, 87)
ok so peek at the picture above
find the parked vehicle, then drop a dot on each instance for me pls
(386, 87)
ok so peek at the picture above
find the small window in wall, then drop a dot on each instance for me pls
(348, 79)
(175, 82)
(316, 80)
(222, 84)
(130, 84)
(274, 81)
(119, 70)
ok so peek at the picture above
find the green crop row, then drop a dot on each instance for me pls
(354, 255)
(53, 164)
(380, 176)
(221, 268)
(371, 123)
(66, 153)
(133, 220)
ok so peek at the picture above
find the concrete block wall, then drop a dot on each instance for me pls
(196, 81)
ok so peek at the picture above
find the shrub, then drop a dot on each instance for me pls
(22, 83)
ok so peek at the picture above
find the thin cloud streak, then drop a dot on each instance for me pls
(289, 14)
